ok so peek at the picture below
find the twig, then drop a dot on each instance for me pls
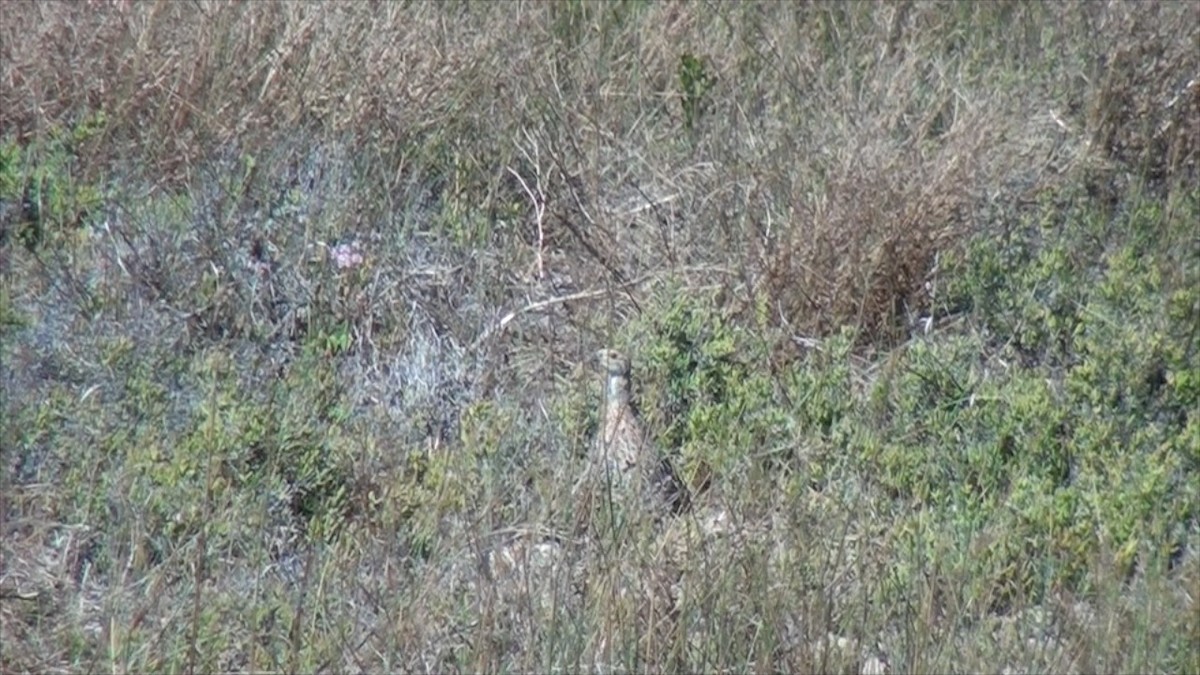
(540, 304)
(538, 200)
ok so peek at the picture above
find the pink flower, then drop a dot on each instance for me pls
(346, 256)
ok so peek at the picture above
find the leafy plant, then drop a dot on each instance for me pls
(47, 180)
(695, 84)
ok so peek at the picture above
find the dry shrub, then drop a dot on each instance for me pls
(907, 154)
(180, 81)
(1145, 114)
(838, 151)
(821, 169)
(859, 254)
(889, 176)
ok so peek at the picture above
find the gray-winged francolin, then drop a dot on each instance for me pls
(626, 457)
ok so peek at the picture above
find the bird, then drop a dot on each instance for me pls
(624, 459)
(627, 481)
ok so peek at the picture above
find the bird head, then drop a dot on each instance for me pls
(612, 363)
(615, 367)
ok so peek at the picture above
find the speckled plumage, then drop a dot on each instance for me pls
(628, 458)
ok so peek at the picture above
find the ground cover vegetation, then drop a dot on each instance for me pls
(296, 299)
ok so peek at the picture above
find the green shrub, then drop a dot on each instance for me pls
(46, 178)
(1078, 423)
(704, 388)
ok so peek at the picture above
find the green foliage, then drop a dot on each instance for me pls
(338, 341)
(10, 316)
(236, 447)
(11, 181)
(695, 83)
(822, 390)
(713, 402)
(47, 179)
(1088, 430)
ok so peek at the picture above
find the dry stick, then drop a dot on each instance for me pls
(538, 200)
(582, 295)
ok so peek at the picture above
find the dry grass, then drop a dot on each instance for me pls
(295, 292)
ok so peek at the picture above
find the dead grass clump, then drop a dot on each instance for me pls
(1145, 113)
(860, 253)
(178, 82)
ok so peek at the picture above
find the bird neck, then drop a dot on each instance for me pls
(618, 391)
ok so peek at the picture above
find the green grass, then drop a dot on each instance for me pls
(296, 301)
